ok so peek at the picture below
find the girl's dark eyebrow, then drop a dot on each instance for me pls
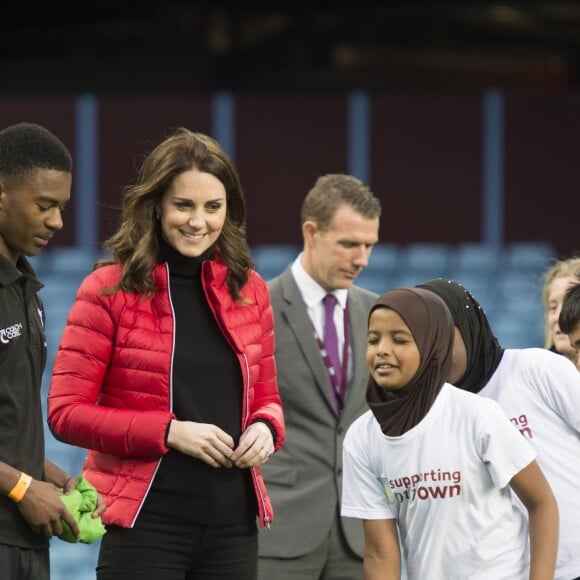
(396, 331)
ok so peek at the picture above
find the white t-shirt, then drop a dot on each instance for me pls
(446, 483)
(540, 393)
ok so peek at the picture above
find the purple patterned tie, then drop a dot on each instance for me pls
(331, 338)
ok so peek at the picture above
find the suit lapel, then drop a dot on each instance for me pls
(359, 323)
(295, 314)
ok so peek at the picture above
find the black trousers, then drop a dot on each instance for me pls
(160, 548)
(23, 563)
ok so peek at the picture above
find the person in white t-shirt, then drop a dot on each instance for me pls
(439, 462)
(539, 392)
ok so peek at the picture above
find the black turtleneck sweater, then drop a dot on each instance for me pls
(206, 388)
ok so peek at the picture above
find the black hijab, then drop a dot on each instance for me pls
(431, 325)
(483, 349)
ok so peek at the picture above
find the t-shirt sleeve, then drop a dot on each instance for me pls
(364, 494)
(503, 449)
(559, 382)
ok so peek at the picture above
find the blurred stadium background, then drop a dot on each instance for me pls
(463, 116)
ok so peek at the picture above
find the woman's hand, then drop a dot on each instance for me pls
(203, 441)
(71, 483)
(256, 446)
(101, 507)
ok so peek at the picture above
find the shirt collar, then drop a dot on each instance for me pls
(10, 273)
(312, 292)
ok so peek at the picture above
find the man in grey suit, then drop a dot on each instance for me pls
(309, 539)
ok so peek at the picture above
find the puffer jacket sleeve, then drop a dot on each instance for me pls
(80, 410)
(265, 402)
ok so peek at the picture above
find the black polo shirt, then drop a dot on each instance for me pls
(22, 361)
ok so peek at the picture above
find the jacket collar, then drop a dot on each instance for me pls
(214, 271)
(213, 277)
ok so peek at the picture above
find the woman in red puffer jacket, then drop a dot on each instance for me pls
(166, 373)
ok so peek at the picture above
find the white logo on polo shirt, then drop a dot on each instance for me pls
(10, 332)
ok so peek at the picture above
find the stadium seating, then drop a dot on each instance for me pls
(427, 260)
(531, 257)
(271, 259)
(505, 281)
(472, 258)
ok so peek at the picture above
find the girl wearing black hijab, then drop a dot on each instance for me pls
(538, 390)
(439, 462)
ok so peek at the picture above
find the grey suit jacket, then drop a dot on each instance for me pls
(304, 479)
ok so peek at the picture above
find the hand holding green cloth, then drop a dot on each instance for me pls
(81, 503)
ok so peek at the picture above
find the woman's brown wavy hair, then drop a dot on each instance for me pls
(134, 245)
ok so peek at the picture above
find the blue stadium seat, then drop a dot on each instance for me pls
(409, 278)
(479, 258)
(374, 280)
(59, 290)
(531, 257)
(69, 260)
(519, 310)
(427, 260)
(76, 561)
(384, 258)
(57, 300)
(272, 259)
(38, 262)
(516, 286)
(514, 332)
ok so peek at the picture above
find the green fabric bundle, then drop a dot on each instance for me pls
(81, 503)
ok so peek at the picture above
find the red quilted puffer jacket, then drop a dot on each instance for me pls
(111, 384)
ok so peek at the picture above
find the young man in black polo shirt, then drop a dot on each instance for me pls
(35, 184)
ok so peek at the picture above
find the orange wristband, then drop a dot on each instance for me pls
(18, 492)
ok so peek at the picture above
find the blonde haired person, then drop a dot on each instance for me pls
(556, 280)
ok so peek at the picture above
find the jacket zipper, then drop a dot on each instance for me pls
(170, 395)
(246, 387)
(257, 489)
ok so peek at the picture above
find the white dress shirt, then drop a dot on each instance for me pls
(313, 294)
